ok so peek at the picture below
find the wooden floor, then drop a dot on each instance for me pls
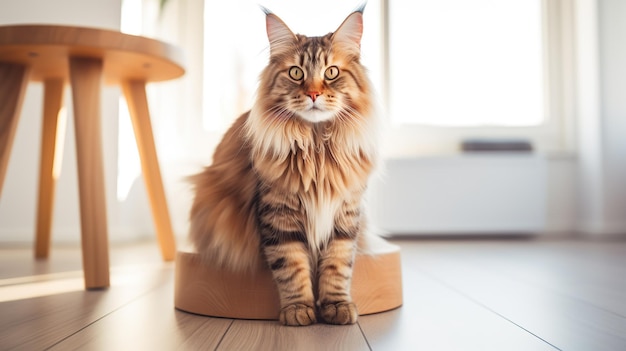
(513, 294)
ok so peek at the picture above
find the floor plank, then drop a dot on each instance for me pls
(269, 335)
(435, 317)
(150, 322)
(480, 274)
(458, 295)
(41, 322)
(44, 302)
(19, 262)
(593, 272)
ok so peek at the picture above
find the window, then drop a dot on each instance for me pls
(479, 69)
(466, 62)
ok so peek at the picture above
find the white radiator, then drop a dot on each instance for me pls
(482, 193)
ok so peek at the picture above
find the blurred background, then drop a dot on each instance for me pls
(502, 116)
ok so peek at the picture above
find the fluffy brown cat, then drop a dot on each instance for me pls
(286, 184)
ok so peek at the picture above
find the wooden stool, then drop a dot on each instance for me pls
(85, 57)
(203, 289)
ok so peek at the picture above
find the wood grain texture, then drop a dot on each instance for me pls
(459, 295)
(497, 278)
(204, 289)
(135, 93)
(41, 322)
(257, 335)
(52, 135)
(13, 82)
(45, 48)
(139, 326)
(435, 317)
(86, 77)
(597, 280)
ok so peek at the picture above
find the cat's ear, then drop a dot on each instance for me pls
(280, 36)
(349, 33)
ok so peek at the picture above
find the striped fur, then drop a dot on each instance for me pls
(287, 180)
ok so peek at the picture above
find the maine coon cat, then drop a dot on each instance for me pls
(286, 184)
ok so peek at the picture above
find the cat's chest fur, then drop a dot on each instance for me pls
(322, 169)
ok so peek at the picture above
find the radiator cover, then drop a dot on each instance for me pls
(490, 193)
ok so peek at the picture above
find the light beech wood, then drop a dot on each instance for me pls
(46, 48)
(204, 289)
(13, 81)
(87, 58)
(52, 134)
(135, 93)
(255, 335)
(86, 75)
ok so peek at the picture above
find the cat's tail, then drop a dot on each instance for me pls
(223, 227)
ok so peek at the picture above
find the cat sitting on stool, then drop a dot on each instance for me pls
(287, 181)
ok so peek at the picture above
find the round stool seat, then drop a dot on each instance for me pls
(46, 48)
(206, 290)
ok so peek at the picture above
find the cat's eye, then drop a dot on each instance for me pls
(331, 72)
(296, 73)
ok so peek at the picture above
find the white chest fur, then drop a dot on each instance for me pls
(320, 210)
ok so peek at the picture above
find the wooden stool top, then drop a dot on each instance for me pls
(46, 49)
(202, 288)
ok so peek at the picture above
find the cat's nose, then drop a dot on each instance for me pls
(314, 94)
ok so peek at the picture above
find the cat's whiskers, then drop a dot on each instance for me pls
(350, 118)
(278, 111)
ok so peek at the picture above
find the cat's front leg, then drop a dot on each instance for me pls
(284, 244)
(289, 263)
(335, 276)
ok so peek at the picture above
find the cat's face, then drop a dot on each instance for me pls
(314, 78)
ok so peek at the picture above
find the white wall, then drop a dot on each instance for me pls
(612, 30)
(92, 13)
(601, 117)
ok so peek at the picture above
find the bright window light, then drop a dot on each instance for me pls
(128, 163)
(132, 17)
(466, 62)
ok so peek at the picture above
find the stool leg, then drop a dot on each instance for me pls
(13, 81)
(135, 93)
(52, 135)
(86, 80)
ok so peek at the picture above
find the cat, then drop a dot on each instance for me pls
(287, 181)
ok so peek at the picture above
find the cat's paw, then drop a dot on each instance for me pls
(297, 315)
(339, 313)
